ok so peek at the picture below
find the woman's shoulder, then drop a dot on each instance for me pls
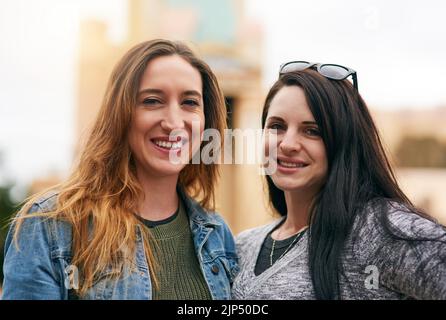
(402, 220)
(410, 224)
(44, 203)
(35, 224)
(55, 229)
(256, 233)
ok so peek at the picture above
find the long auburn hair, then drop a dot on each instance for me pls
(102, 190)
(358, 172)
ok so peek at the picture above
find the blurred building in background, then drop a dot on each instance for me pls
(416, 141)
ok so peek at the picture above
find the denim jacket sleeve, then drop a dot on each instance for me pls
(29, 271)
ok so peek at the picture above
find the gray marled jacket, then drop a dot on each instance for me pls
(376, 265)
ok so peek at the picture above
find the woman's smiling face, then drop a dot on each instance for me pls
(170, 101)
(301, 157)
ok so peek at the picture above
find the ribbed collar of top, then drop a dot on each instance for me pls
(175, 226)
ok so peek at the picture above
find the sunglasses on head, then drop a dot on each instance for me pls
(328, 70)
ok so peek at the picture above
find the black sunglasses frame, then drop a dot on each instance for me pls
(319, 66)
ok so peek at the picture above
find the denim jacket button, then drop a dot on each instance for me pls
(215, 269)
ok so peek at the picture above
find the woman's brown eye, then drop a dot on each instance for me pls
(151, 101)
(191, 103)
(276, 126)
(312, 131)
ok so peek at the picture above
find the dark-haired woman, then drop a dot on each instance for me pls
(346, 231)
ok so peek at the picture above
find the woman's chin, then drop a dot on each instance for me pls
(285, 184)
(171, 169)
(163, 168)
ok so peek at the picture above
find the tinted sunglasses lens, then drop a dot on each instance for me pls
(294, 66)
(334, 72)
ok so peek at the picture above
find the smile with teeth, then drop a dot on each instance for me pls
(291, 164)
(168, 144)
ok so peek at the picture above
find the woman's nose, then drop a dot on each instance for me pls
(290, 143)
(173, 119)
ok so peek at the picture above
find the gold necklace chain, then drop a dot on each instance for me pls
(287, 249)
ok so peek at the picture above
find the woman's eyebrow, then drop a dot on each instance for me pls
(159, 91)
(192, 93)
(275, 118)
(150, 90)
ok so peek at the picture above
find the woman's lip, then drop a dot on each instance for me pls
(286, 170)
(289, 170)
(296, 161)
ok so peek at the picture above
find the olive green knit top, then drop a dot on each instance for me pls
(178, 270)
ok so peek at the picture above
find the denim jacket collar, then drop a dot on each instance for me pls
(197, 215)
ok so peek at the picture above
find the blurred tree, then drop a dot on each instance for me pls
(421, 152)
(7, 208)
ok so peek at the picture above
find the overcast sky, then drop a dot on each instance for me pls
(397, 47)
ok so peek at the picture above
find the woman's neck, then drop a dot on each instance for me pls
(160, 197)
(298, 206)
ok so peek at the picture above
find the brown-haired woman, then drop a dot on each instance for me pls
(124, 225)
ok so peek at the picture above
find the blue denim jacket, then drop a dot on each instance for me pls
(40, 269)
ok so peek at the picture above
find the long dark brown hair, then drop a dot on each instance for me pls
(358, 172)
